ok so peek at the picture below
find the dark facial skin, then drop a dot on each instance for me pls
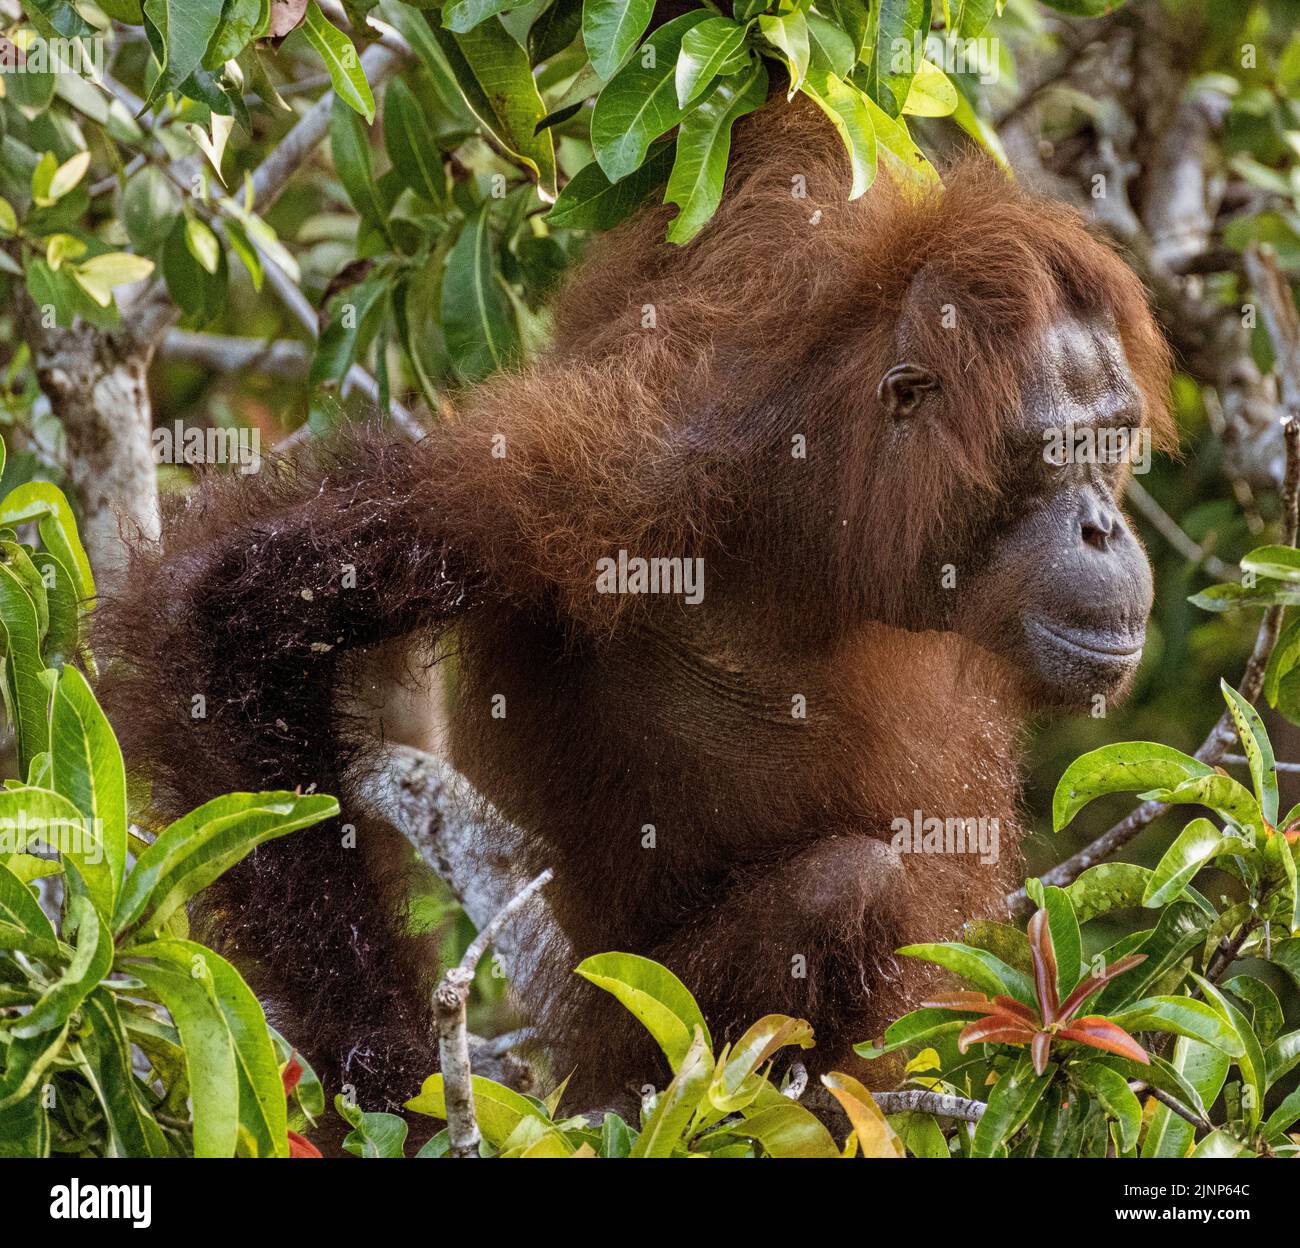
(1055, 579)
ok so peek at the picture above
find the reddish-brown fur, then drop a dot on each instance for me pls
(626, 711)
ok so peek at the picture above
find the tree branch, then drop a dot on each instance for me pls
(449, 1002)
(941, 1104)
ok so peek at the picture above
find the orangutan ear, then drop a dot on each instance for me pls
(902, 388)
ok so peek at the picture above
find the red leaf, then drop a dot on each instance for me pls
(1039, 1048)
(1018, 1008)
(1044, 958)
(300, 1147)
(291, 1073)
(972, 1002)
(1101, 1033)
(996, 1029)
(1086, 987)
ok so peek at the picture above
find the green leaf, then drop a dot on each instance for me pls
(984, 970)
(1283, 1118)
(905, 160)
(26, 1062)
(1222, 794)
(353, 313)
(611, 29)
(1265, 1009)
(1198, 843)
(18, 905)
(179, 33)
(784, 1128)
(498, 1110)
(109, 1070)
(53, 821)
(640, 102)
(1280, 563)
(477, 315)
(200, 295)
(900, 30)
(969, 17)
(590, 201)
(1231, 596)
(1106, 887)
(1011, 1102)
(376, 1135)
(26, 694)
(235, 1086)
(1281, 1057)
(654, 994)
(980, 130)
(850, 114)
(150, 205)
(703, 145)
(1281, 663)
(1128, 767)
(406, 137)
(1257, 748)
(1182, 927)
(1111, 1090)
(735, 1083)
(675, 1106)
(87, 767)
(463, 15)
(19, 562)
(931, 93)
(351, 152)
(788, 33)
(341, 60)
(91, 961)
(200, 846)
(241, 22)
(1250, 1061)
(554, 30)
(918, 1027)
(616, 1137)
(203, 244)
(101, 275)
(46, 504)
(1066, 940)
(1182, 1016)
(493, 72)
(1205, 1068)
(830, 49)
(921, 1134)
(704, 50)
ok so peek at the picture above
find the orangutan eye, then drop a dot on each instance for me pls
(902, 388)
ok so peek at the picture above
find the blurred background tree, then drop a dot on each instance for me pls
(277, 215)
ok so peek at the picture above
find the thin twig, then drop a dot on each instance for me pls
(1164, 524)
(1240, 760)
(1172, 1103)
(449, 1001)
(378, 62)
